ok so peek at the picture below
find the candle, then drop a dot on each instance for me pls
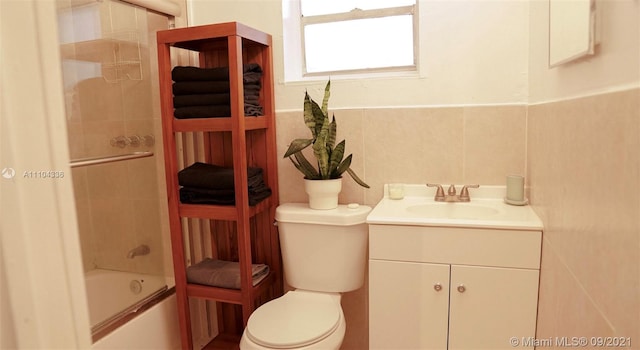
(515, 188)
(396, 191)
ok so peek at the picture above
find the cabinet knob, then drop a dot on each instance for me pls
(437, 287)
(461, 288)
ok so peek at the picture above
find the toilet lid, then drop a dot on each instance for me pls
(296, 319)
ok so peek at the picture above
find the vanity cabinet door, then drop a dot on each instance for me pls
(491, 305)
(408, 305)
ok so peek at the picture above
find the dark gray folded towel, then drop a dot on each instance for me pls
(251, 77)
(188, 73)
(252, 67)
(202, 112)
(252, 88)
(224, 274)
(200, 87)
(201, 100)
(253, 111)
(192, 195)
(215, 177)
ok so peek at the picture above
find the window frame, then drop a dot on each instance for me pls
(357, 14)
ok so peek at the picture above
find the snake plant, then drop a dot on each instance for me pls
(331, 163)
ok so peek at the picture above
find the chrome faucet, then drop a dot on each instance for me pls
(142, 249)
(451, 195)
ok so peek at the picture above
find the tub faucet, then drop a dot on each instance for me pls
(451, 195)
(142, 249)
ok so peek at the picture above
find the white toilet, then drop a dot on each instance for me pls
(323, 254)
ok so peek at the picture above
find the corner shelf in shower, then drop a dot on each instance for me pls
(240, 233)
(118, 53)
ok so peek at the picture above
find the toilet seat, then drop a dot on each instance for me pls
(297, 319)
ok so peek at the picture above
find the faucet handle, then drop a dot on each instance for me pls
(464, 193)
(439, 192)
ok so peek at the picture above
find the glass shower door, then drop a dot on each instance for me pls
(112, 108)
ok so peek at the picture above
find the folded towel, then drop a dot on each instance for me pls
(251, 77)
(188, 73)
(251, 100)
(224, 274)
(252, 111)
(202, 112)
(215, 177)
(201, 100)
(200, 87)
(251, 87)
(193, 195)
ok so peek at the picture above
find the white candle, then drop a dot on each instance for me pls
(396, 191)
(515, 188)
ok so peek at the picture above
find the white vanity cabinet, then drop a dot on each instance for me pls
(452, 288)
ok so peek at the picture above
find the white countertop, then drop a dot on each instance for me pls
(503, 216)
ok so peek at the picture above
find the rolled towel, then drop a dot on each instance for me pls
(188, 73)
(200, 87)
(201, 100)
(224, 274)
(202, 112)
(215, 177)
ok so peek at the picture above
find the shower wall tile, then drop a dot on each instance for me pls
(142, 180)
(109, 180)
(584, 177)
(97, 137)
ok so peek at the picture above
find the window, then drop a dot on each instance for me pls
(350, 36)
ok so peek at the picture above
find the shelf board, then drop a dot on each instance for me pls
(224, 341)
(226, 295)
(197, 37)
(219, 212)
(217, 124)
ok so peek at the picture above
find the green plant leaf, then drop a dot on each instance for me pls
(309, 171)
(357, 179)
(333, 127)
(319, 117)
(336, 157)
(309, 117)
(325, 100)
(344, 165)
(298, 145)
(321, 152)
(300, 168)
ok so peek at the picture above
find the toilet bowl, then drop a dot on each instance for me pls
(323, 255)
(298, 320)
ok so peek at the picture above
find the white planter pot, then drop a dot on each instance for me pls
(323, 194)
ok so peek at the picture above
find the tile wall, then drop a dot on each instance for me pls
(472, 144)
(584, 177)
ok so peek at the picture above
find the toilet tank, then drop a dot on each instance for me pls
(323, 250)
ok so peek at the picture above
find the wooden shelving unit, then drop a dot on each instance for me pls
(241, 232)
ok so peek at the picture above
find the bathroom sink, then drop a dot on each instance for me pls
(453, 210)
(486, 209)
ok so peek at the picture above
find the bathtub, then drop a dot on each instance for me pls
(131, 311)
